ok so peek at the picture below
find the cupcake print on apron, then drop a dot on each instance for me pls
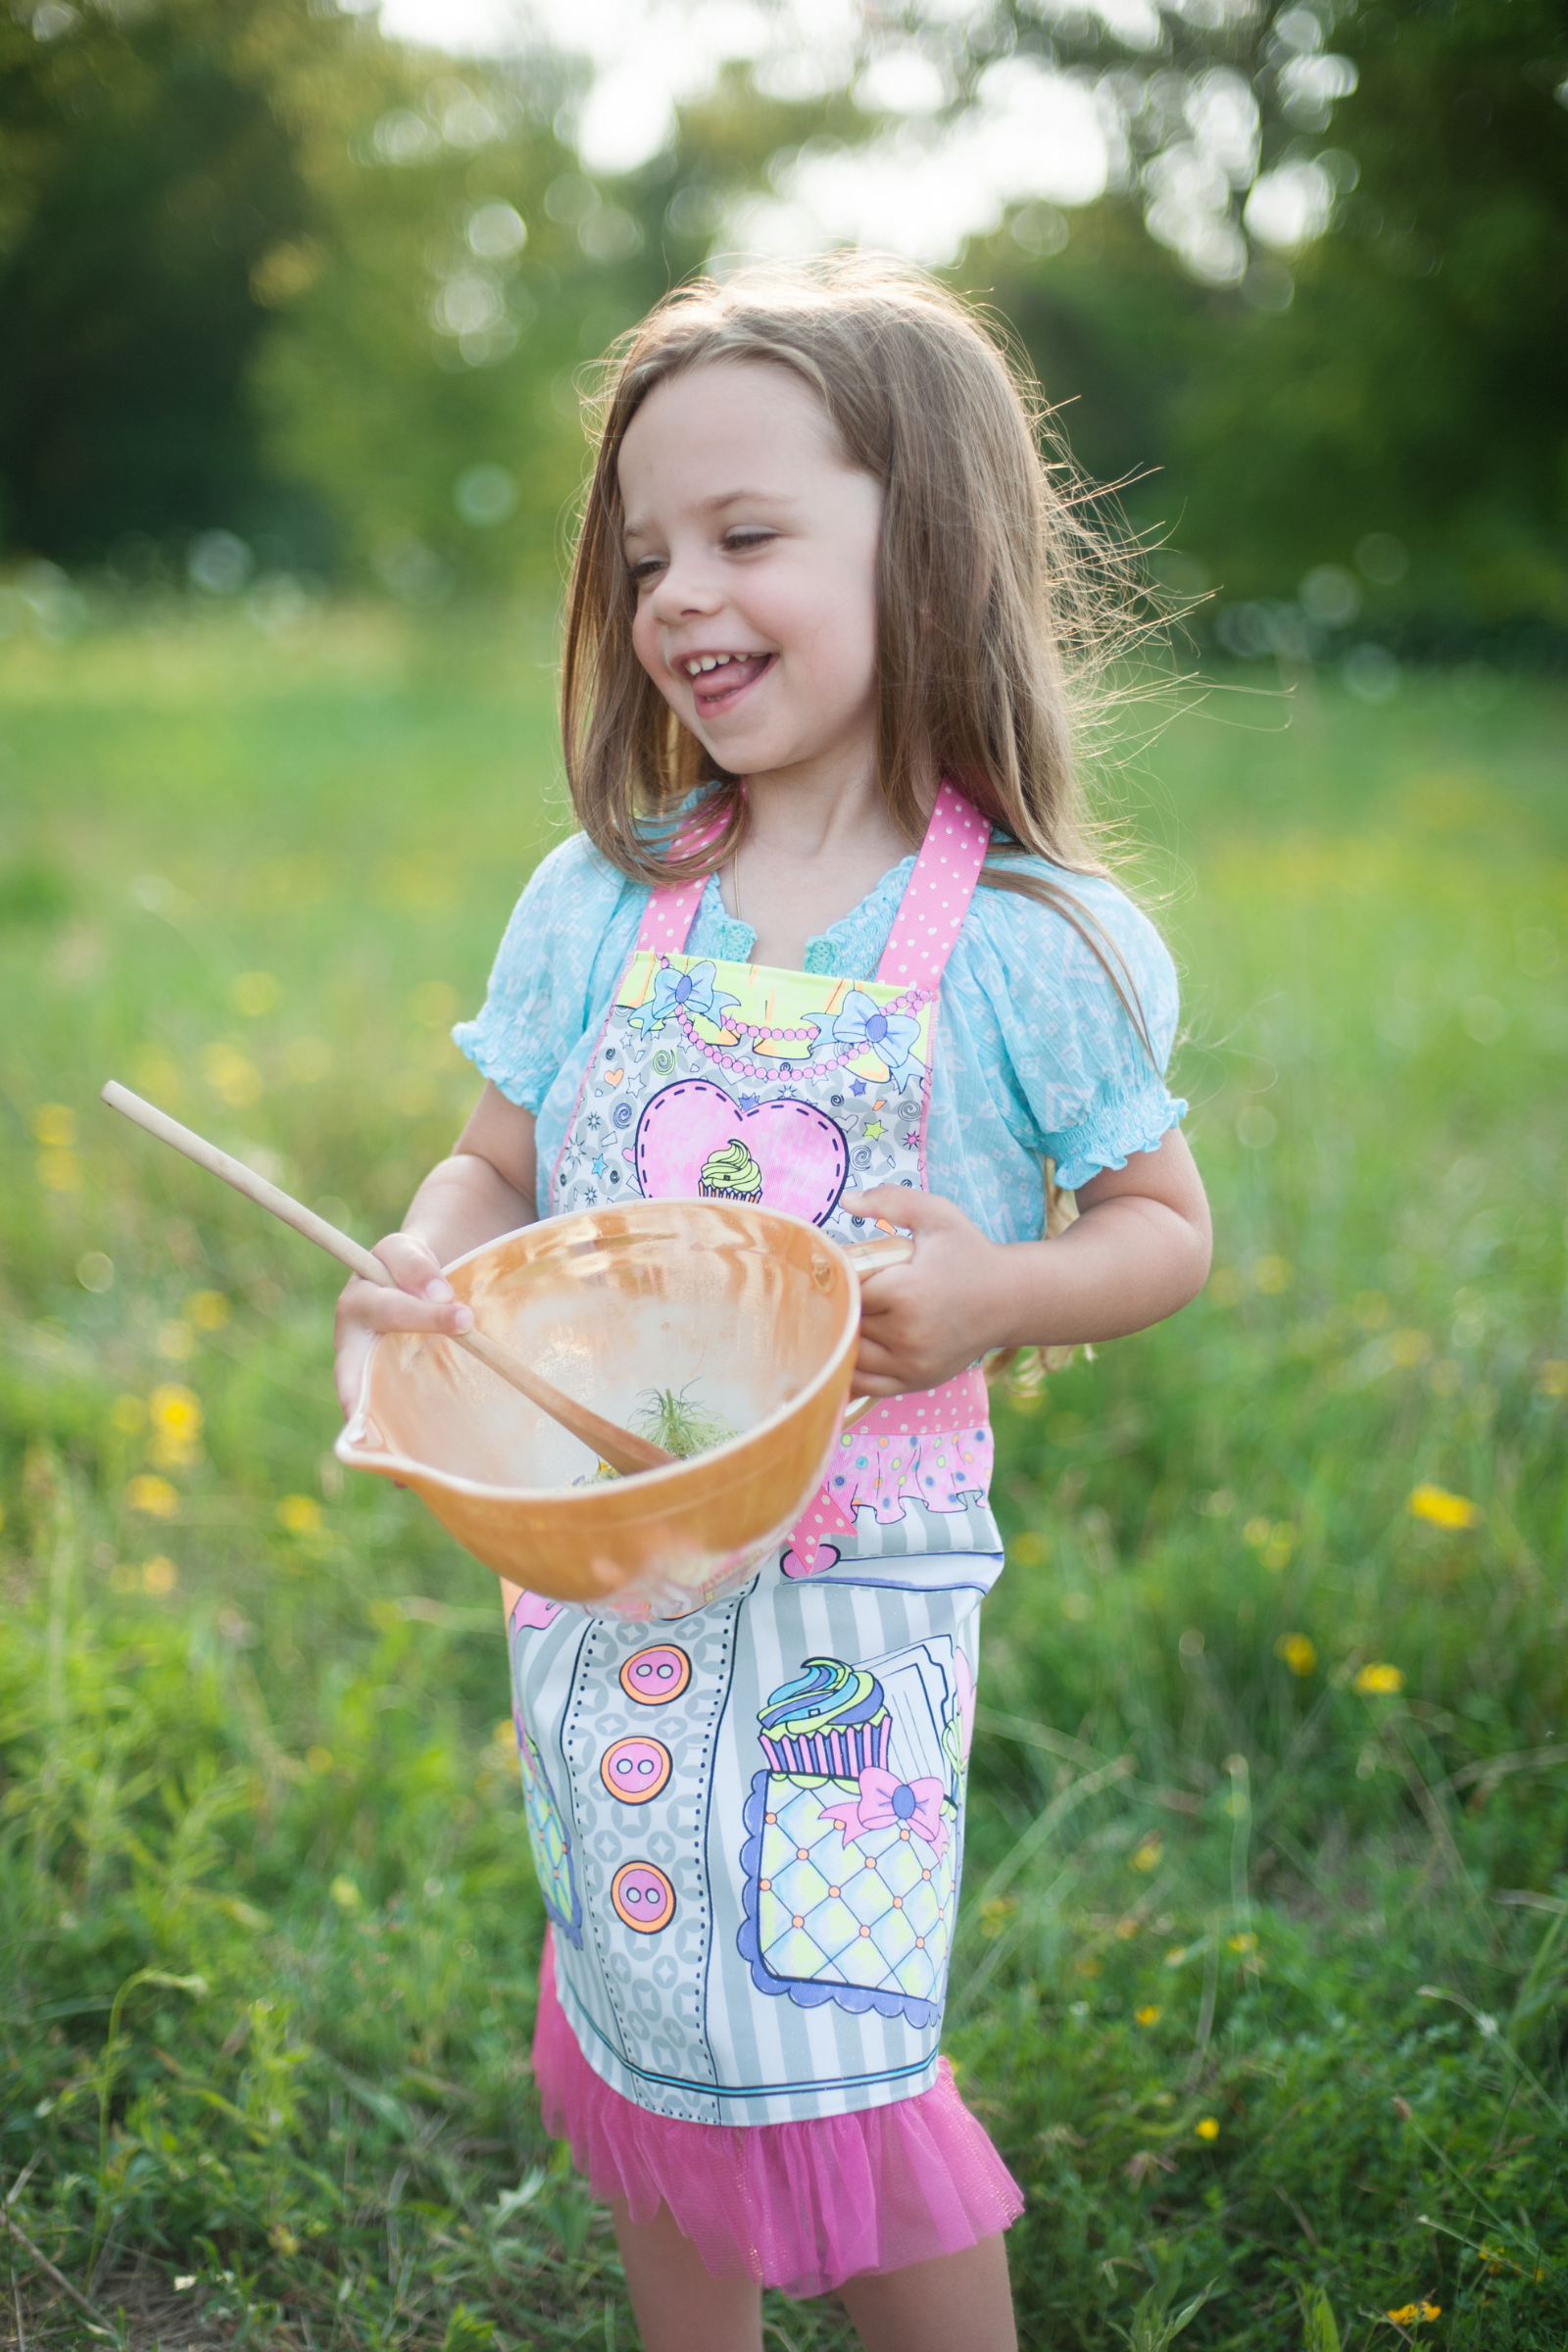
(851, 1863)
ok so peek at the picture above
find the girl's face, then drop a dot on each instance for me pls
(754, 551)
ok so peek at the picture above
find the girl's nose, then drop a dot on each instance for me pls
(685, 588)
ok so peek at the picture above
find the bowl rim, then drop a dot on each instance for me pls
(388, 1462)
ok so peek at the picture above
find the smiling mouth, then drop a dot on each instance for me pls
(718, 680)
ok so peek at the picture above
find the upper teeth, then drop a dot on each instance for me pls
(702, 662)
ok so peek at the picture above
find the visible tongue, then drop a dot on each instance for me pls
(738, 670)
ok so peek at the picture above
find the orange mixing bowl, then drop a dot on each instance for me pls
(754, 1313)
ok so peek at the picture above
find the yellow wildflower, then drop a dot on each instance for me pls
(177, 1420)
(159, 1577)
(1243, 1943)
(1409, 2315)
(176, 1411)
(1149, 1854)
(1380, 1682)
(209, 1310)
(300, 1514)
(1207, 2128)
(1148, 2015)
(55, 1126)
(153, 1495)
(1298, 1651)
(1440, 1508)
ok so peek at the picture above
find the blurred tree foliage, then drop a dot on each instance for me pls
(1415, 386)
(267, 271)
(1412, 387)
(145, 170)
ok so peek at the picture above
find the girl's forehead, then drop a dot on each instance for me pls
(747, 424)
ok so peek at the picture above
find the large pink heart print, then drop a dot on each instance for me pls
(801, 1152)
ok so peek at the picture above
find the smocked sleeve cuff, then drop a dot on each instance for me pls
(1120, 1122)
(519, 1067)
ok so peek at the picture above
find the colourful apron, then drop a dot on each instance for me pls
(748, 1824)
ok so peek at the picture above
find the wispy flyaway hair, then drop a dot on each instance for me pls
(998, 608)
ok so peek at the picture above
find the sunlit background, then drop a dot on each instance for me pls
(300, 298)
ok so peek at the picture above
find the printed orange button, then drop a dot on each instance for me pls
(654, 1677)
(635, 1770)
(643, 1896)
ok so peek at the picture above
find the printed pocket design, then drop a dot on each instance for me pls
(851, 1863)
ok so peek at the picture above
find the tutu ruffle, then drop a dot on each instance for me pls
(798, 2206)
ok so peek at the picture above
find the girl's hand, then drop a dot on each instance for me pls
(424, 1300)
(924, 1322)
(1137, 1252)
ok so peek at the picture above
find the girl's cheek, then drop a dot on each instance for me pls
(645, 645)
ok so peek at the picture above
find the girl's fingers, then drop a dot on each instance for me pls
(916, 1212)
(414, 1266)
(367, 1308)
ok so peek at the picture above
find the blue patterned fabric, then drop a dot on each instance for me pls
(1036, 1055)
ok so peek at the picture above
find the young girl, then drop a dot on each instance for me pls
(828, 939)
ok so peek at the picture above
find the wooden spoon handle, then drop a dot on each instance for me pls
(874, 1257)
(616, 1445)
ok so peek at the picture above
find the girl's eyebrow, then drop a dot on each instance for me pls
(635, 529)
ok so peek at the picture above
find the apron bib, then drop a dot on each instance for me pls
(748, 1833)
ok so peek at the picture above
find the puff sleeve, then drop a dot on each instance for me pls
(1074, 1077)
(569, 935)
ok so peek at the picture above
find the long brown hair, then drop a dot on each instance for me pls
(1000, 609)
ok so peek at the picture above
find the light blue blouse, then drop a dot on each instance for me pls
(1036, 1055)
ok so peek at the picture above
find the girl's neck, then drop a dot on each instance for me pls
(813, 849)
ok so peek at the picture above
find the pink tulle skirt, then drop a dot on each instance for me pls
(798, 2206)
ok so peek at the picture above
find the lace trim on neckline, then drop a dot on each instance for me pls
(849, 949)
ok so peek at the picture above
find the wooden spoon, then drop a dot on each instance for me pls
(616, 1445)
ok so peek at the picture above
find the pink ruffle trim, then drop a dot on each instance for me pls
(798, 2206)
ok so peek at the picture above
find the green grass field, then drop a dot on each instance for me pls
(1261, 1974)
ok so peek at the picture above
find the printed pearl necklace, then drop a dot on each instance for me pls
(776, 1068)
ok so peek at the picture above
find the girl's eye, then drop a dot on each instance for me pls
(741, 542)
(640, 574)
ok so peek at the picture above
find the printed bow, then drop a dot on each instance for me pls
(886, 1802)
(888, 1035)
(673, 990)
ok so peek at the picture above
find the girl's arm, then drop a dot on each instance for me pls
(486, 1188)
(1138, 1251)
